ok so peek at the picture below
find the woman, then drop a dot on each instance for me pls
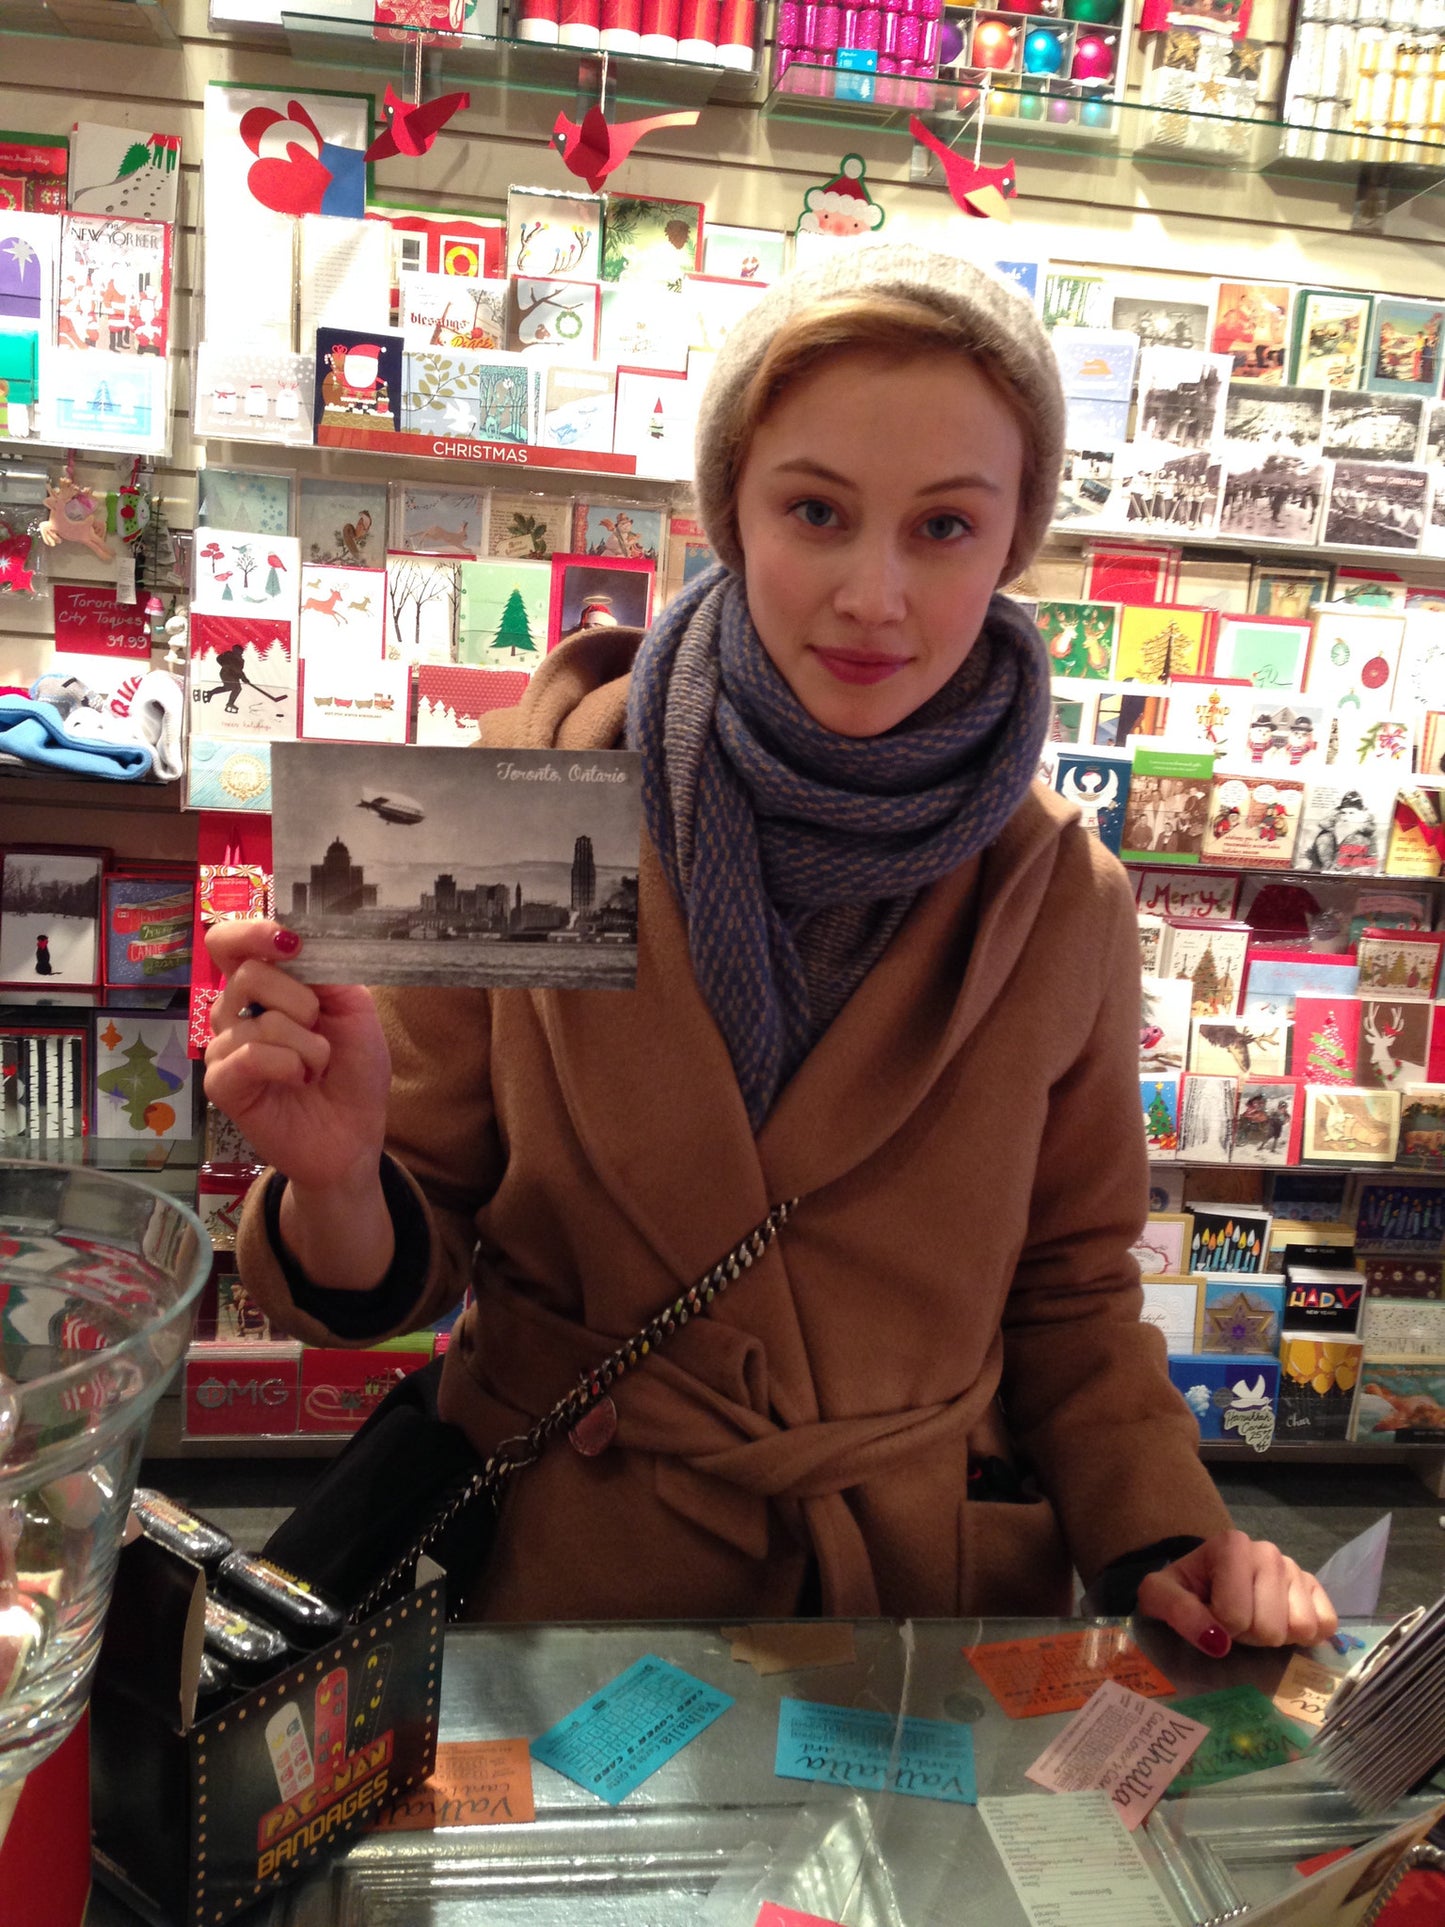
(880, 971)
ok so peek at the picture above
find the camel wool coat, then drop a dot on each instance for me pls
(956, 1281)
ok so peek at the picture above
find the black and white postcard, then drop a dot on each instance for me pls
(1181, 397)
(1163, 322)
(1372, 428)
(1275, 500)
(1291, 419)
(492, 868)
(1377, 505)
(1166, 492)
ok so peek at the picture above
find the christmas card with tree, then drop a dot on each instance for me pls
(1400, 963)
(343, 613)
(1167, 811)
(1206, 1119)
(1343, 827)
(421, 608)
(1099, 784)
(246, 575)
(1237, 1315)
(241, 677)
(1268, 1121)
(1163, 1027)
(1350, 1126)
(1079, 637)
(1422, 1127)
(502, 614)
(451, 701)
(1229, 1237)
(1317, 1379)
(1159, 1098)
(144, 1081)
(1253, 821)
(1162, 641)
(1417, 832)
(1210, 957)
(1326, 1040)
(1394, 1043)
(1224, 1047)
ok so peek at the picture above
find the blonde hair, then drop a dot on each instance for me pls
(896, 325)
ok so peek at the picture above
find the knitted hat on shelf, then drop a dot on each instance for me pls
(995, 322)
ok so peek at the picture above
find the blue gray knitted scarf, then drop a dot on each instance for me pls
(794, 852)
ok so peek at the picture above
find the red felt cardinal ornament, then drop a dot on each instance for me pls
(593, 149)
(413, 129)
(984, 191)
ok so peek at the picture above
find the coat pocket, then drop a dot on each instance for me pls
(1013, 1562)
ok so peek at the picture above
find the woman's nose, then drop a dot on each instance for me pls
(872, 588)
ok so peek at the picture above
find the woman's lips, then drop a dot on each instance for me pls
(851, 666)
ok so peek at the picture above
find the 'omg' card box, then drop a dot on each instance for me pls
(196, 1820)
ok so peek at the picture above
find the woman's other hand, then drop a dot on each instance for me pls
(303, 1070)
(1237, 1588)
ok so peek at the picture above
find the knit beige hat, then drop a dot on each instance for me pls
(997, 323)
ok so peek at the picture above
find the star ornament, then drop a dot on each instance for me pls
(1239, 1324)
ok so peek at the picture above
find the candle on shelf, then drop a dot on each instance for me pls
(659, 28)
(622, 26)
(581, 23)
(539, 20)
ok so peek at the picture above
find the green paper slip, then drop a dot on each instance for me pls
(1246, 1735)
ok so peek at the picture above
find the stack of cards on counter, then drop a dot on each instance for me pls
(1384, 1731)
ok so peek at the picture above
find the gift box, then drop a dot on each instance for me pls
(197, 1818)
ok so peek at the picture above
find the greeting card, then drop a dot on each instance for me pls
(1206, 1120)
(93, 398)
(506, 400)
(553, 234)
(502, 615)
(1163, 1026)
(1208, 712)
(149, 921)
(1221, 1046)
(1251, 326)
(1099, 784)
(116, 170)
(354, 702)
(1079, 637)
(1401, 963)
(1343, 828)
(1168, 493)
(144, 1081)
(623, 529)
(1241, 1315)
(342, 522)
(1329, 338)
(1209, 957)
(1422, 1127)
(1326, 1047)
(1350, 1126)
(248, 396)
(1253, 821)
(343, 275)
(1405, 347)
(434, 519)
(1370, 427)
(343, 613)
(1159, 1099)
(589, 593)
(1268, 1120)
(358, 385)
(714, 309)
(251, 501)
(1394, 1043)
(645, 326)
(1377, 505)
(442, 392)
(528, 527)
(1088, 489)
(553, 312)
(576, 407)
(1162, 641)
(452, 311)
(1377, 746)
(114, 285)
(28, 251)
(1181, 397)
(655, 420)
(1096, 364)
(1353, 658)
(451, 701)
(50, 918)
(421, 608)
(241, 574)
(242, 680)
(744, 253)
(1267, 651)
(1416, 846)
(225, 775)
(648, 239)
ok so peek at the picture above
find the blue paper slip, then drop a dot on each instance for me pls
(854, 1747)
(622, 1735)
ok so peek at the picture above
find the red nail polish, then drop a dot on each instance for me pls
(287, 942)
(1215, 1641)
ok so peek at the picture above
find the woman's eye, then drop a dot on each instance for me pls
(944, 528)
(817, 515)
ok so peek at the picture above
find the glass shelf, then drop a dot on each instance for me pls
(1066, 118)
(105, 1153)
(525, 66)
(1243, 545)
(140, 23)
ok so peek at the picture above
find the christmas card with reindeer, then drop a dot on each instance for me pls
(242, 677)
(1253, 821)
(1394, 1043)
(246, 575)
(421, 608)
(1079, 637)
(553, 234)
(1350, 1126)
(1225, 1046)
(1210, 957)
(1268, 1120)
(1099, 783)
(144, 1081)
(342, 522)
(1326, 1047)
(436, 519)
(343, 614)
(1404, 964)
(502, 614)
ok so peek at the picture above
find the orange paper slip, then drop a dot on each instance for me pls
(475, 1783)
(1060, 1672)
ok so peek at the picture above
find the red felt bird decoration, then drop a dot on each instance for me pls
(413, 129)
(593, 149)
(984, 191)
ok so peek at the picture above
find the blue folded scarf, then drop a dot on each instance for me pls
(34, 733)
